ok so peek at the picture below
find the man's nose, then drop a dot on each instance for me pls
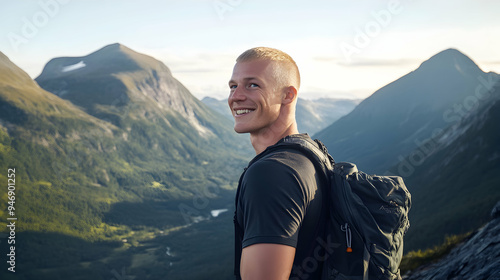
(238, 94)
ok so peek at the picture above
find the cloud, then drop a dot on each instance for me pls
(366, 62)
(326, 59)
(183, 69)
(194, 61)
(379, 62)
(491, 62)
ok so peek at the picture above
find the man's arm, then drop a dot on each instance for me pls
(266, 261)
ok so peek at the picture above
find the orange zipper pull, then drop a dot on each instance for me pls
(348, 236)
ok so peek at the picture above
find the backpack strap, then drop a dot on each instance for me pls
(315, 150)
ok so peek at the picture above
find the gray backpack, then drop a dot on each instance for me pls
(368, 217)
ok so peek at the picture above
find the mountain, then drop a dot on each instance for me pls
(219, 106)
(133, 90)
(391, 123)
(311, 115)
(110, 163)
(314, 115)
(116, 79)
(139, 95)
(23, 102)
(119, 169)
(454, 176)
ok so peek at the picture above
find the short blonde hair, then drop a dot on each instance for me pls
(286, 72)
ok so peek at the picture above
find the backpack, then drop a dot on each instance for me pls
(368, 217)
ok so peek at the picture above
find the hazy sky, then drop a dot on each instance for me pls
(343, 48)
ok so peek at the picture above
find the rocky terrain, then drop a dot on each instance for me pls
(477, 258)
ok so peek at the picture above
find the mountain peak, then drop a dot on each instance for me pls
(109, 60)
(115, 45)
(116, 77)
(406, 110)
(115, 48)
(450, 51)
(452, 55)
(450, 59)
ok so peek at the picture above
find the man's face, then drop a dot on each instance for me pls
(253, 99)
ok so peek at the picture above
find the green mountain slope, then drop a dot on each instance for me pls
(392, 122)
(454, 177)
(126, 88)
(106, 171)
(40, 133)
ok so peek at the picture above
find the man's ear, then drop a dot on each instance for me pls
(290, 95)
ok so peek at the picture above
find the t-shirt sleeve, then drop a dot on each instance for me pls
(273, 204)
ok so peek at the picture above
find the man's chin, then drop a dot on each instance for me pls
(240, 129)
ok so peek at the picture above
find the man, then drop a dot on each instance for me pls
(279, 202)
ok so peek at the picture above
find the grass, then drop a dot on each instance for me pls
(415, 259)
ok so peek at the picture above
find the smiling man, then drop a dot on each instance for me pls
(279, 202)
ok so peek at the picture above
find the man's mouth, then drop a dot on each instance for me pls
(240, 112)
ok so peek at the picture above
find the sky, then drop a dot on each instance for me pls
(344, 49)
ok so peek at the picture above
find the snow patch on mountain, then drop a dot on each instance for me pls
(73, 67)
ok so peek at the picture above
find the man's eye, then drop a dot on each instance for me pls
(232, 86)
(253, 85)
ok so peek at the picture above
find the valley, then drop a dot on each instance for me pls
(121, 173)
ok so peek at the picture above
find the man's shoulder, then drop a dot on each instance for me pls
(279, 165)
(283, 157)
(278, 160)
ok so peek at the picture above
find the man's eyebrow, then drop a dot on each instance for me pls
(245, 79)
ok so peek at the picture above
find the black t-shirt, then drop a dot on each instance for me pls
(280, 201)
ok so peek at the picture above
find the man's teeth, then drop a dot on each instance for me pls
(244, 111)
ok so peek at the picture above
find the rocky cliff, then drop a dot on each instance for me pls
(477, 258)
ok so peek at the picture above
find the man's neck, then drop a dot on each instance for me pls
(263, 140)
